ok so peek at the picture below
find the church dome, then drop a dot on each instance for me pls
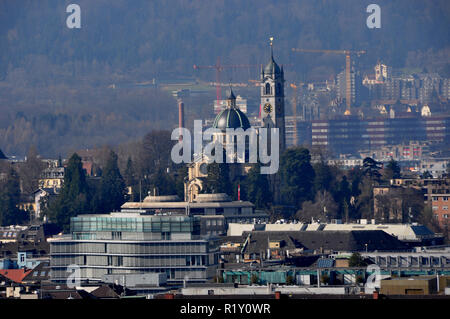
(231, 118)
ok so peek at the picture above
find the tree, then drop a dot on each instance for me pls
(10, 214)
(322, 209)
(343, 198)
(30, 171)
(161, 182)
(74, 198)
(218, 180)
(129, 173)
(155, 152)
(323, 176)
(371, 168)
(112, 187)
(391, 171)
(257, 188)
(356, 260)
(297, 176)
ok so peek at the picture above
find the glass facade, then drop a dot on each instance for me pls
(111, 244)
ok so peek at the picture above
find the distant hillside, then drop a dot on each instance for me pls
(165, 38)
(53, 80)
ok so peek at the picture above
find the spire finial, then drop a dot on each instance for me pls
(271, 47)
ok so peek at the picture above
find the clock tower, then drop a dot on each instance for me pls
(272, 98)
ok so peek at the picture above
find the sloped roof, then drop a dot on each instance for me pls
(16, 275)
(327, 240)
(2, 155)
(259, 241)
(105, 291)
(39, 273)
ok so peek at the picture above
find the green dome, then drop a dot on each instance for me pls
(231, 118)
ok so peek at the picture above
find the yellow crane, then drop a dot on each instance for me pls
(347, 54)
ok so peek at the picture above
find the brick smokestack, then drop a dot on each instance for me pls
(180, 116)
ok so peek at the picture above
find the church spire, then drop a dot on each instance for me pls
(231, 98)
(271, 48)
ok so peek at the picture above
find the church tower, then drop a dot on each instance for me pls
(272, 98)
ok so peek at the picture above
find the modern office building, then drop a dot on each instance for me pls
(133, 243)
(351, 134)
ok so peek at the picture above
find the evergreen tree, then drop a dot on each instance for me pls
(391, 171)
(257, 188)
(74, 198)
(112, 186)
(10, 214)
(129, 174)
(297, 176)
(372, 168)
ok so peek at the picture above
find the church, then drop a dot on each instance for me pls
(272, 115)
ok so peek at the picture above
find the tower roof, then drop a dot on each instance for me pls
(231, 96)
(231, 118)
(272, 67)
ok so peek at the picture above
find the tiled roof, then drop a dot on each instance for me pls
(105, 292)
(16, 275)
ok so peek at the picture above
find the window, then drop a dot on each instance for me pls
(445, 199)
(267, 89)
(445, 207)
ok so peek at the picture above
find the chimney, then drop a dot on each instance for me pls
(180, 117)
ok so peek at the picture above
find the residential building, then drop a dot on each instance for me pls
(440, 205)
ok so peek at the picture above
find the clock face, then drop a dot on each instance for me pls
(268, 108)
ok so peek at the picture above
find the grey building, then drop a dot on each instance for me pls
(134, 243)
(204, 205)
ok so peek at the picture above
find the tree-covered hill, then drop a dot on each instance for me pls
(53, 79)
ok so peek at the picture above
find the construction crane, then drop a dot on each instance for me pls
(219, 68)
(294, 109)
(347, 54)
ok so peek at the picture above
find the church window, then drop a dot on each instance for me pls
(267, 89)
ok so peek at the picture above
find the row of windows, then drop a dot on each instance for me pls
(172, 273)
(130, 248)
(124, 261)
(444, 198)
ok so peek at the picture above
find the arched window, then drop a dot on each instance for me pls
(267, 89)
